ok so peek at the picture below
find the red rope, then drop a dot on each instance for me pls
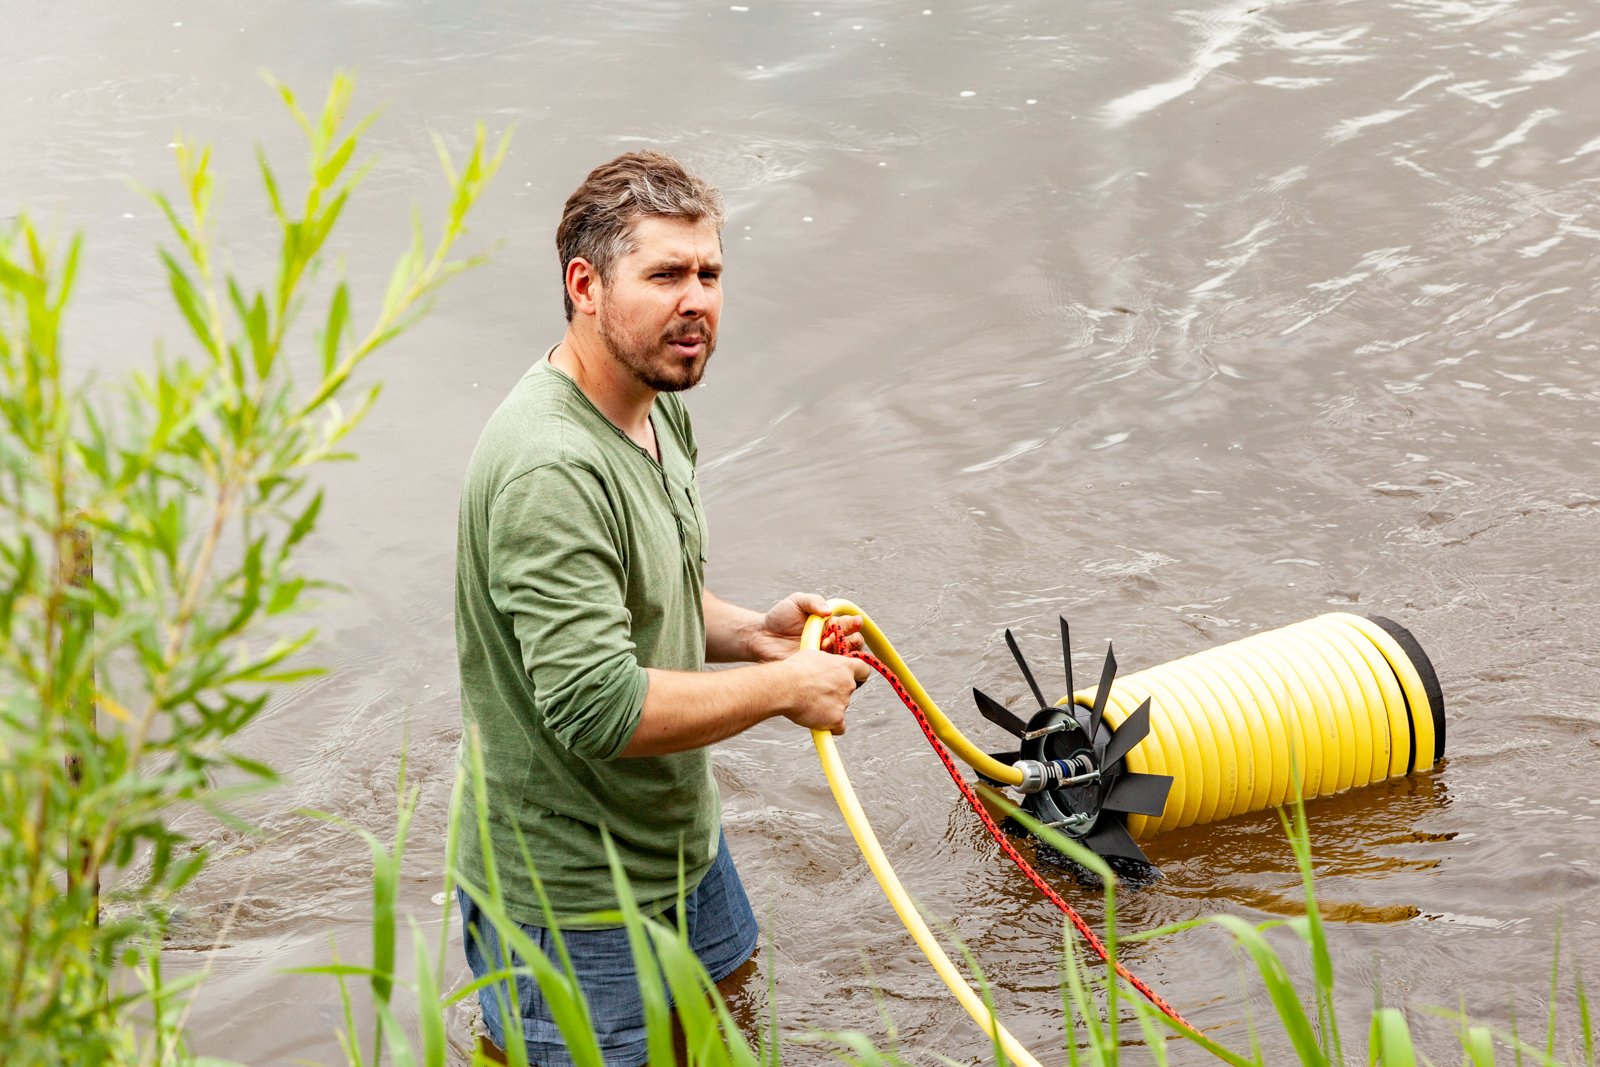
(1099, 948)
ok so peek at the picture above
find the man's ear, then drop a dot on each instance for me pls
(583, 285)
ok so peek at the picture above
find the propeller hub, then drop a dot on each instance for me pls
(1068, 796)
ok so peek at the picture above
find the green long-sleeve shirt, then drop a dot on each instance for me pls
(579, 562)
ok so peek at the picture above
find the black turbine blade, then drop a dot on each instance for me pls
(1016, 654)
(1108, 674)
(1066, 656)
(1141, 794)
(999, 714)
(1112, 839)
(1130, 733)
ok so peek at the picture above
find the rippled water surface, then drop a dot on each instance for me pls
(1188, 322)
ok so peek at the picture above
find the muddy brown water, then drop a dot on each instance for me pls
(1186, 322)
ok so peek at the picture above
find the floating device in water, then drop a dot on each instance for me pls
(1341, 695)
(1314, 708)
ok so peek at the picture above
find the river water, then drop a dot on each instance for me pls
(1185, 321)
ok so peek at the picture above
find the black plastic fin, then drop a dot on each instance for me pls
(1141, 794)
(1111, 839)
(1108, 674)
(1016, 654)
(999, 714)
(1133, 730)
(1066, 658)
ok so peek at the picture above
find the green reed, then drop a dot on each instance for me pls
(150, 528)
(1305, 1014)
(1095, 1006)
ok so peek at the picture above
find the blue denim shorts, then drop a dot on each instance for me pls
(722, 931)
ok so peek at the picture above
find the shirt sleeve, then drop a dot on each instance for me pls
(556, 570)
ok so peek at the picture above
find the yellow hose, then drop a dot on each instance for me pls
(954, 739)
(867, 841)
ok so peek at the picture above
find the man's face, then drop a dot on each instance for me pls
(658, 312)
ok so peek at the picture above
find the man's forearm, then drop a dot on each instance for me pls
(728, 629)
(686, 709)
(691, 709)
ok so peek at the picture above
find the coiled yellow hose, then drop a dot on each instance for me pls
(1338, 697)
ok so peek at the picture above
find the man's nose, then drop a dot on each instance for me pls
(697, 299)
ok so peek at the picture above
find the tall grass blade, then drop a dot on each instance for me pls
(1478, 1044)
(1275, 978)
(1555, 990)
(1298, 831)
(1154, 1035)
(1390, 1041)
(559, 988)
(430, 1017)
(1586, 1022)
(657, 1012)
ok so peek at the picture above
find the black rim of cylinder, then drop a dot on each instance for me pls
(1430, 686)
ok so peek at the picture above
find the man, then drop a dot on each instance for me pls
(583, 624)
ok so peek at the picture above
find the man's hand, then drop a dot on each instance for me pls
(778, 635)
(690, 709)
(820, 686)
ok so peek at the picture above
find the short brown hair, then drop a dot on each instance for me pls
(597, 222)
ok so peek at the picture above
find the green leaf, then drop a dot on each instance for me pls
(185, 237)
(1390, 1042)
(1586, 1022)
(430, 1021)
(1478, 1043)
(559, 987)
(69, 272)
(304, 523)
(394, 1037)
(1279, 987)
(328, 173)
(333, 970)
(333, 334)
(189, 302)
(254, 767)
(271, 183)
(289, 101)
(657, 1011)
(257, 328)
(285, 595)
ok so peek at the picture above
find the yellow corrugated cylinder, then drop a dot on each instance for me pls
(1338, 701)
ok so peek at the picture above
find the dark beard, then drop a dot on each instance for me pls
(637, 358)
